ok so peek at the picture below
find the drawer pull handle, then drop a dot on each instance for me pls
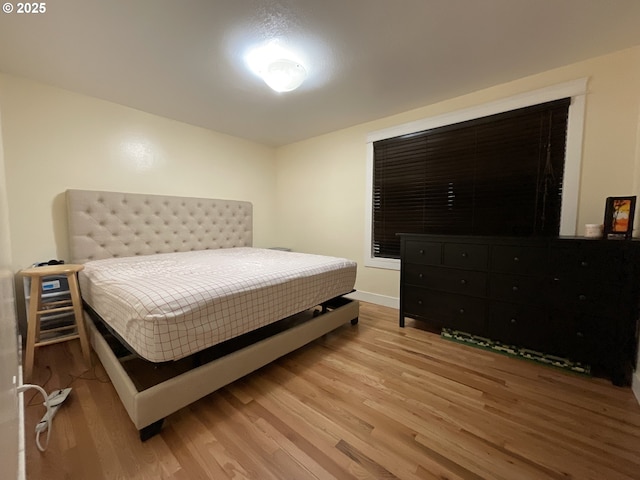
(421, 252)
(579, 334)
(419, 302)
(516, 259)
(584, 264)
(420, 275)
(461, 311)
(463, 282)
(582, 298)
(464, 254)
(514, 321)
(515, 288)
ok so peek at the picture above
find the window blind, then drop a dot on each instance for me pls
(497, 175)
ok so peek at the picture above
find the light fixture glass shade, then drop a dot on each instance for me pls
(284, 75)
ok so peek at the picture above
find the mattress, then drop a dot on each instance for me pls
(168, 306)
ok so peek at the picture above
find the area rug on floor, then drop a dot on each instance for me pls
(513, 351)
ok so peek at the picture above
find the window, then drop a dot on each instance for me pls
(456, 173)
(496, 175)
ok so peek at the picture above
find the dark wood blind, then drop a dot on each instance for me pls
(497, 175)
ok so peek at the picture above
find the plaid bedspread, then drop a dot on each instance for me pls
(168, 306)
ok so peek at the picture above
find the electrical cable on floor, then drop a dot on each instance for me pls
(31, 403)
(53, 401)
(90, 375)
(48, 422)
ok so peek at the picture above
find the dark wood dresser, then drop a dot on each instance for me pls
(575, 298)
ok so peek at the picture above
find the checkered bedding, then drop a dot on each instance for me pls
(168, 306)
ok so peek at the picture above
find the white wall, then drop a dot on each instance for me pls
(9, 417)
(55, 140)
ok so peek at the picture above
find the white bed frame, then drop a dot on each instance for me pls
(110, 224)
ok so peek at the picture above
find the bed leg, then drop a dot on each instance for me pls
(354, 321)
(151, 430)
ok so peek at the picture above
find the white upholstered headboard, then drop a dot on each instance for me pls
(112, 224)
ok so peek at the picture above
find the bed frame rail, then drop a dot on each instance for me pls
(144, 407)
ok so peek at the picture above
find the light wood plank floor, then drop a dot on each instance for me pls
(367, 402)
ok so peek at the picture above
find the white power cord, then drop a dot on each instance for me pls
(52, 402)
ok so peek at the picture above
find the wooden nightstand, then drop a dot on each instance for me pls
(40, 306)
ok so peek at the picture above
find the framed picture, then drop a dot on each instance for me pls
(618, 217)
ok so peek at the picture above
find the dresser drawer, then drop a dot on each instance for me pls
(458, 312)
(518, 324)
(472, 256)
(586, 262)
(519, 259)
(424, 253)
(588, 296)
(518, 288)
(466, 282)
(581, 337)
(422, 303)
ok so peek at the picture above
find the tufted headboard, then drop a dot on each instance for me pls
(112, 224)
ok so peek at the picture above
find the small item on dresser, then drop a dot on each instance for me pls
(593, 230)
(618, 217)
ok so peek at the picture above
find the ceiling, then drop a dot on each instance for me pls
(366, 59)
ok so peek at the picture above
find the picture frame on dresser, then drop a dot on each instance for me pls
(618, 217)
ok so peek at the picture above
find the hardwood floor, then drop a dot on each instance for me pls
(367, 402)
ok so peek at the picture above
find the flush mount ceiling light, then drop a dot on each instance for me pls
(278, 67)
(284, 75)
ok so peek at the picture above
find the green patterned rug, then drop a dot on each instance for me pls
(513, 351)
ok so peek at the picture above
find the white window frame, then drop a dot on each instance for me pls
(576, 89)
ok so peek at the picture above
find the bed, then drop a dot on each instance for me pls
(178, 303)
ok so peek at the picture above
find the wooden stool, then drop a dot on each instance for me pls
(38, 308)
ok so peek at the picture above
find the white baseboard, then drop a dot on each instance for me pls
(635, 385)
(385, 301)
